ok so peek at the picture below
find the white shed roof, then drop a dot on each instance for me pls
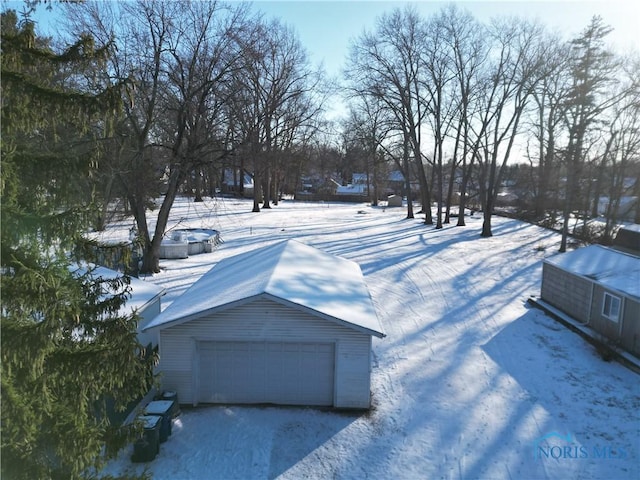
(611, 268)
(289, 271)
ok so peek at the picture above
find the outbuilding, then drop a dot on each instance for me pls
(628, 239)
(599, 287)
(283, 324)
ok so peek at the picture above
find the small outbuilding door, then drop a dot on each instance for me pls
(266, 372)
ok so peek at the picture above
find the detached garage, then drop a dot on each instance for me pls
(285, 324)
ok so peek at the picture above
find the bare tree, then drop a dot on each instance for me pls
(549, 99)
(176, 56)
(387, 65)
(516, 67)
(622, 153)
(367, 128)
(469, 51)
(439, 80)
(273, 100)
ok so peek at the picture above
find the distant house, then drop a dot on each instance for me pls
(352, 189)
(235, 181)
(284, 324)
(625, 209)
(359, 186)
(396, 182)
(599, 287)
(628, 239)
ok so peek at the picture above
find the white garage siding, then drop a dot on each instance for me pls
(266, 321)
(151, 311)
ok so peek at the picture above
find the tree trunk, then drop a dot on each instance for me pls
(566, 211)
(439, 178)
(257, 191)
(197, 185)
(636, 192)
(407, 177)
(101, 220)
(462, 203)
(150, 259)
(466, 174)
(151, 253)
(546, 167)
(376, 193)
(425, 193)
(486, 193)
(275, 187)
(488, 212)
(450, 185)
(266, 194)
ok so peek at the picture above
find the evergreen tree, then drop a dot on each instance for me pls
(68, 353)
(593, 70)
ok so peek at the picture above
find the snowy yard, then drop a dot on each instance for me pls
(469, 383)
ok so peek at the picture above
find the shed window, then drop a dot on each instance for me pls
(611, 307)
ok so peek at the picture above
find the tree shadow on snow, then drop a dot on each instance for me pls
(304, 437)
(559, 371)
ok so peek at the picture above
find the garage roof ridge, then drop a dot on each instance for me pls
(291, 270)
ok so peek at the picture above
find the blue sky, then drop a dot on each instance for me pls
(326, 27)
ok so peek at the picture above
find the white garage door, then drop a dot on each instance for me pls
(266, 372)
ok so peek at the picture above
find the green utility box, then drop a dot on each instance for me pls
(163, 408)
(147, 446)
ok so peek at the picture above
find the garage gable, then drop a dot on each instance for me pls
(289, 272)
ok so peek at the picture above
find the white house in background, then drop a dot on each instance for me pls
(283, 324)
(351, 189)
(144, 298)
(358, 186)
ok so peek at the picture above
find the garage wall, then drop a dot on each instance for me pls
(151, 311)
(265, 320)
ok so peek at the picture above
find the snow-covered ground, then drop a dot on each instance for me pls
(469, 383)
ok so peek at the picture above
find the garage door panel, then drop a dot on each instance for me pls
(266, 372)
(205, 357)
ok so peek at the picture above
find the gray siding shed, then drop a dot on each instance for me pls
(599, 287)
